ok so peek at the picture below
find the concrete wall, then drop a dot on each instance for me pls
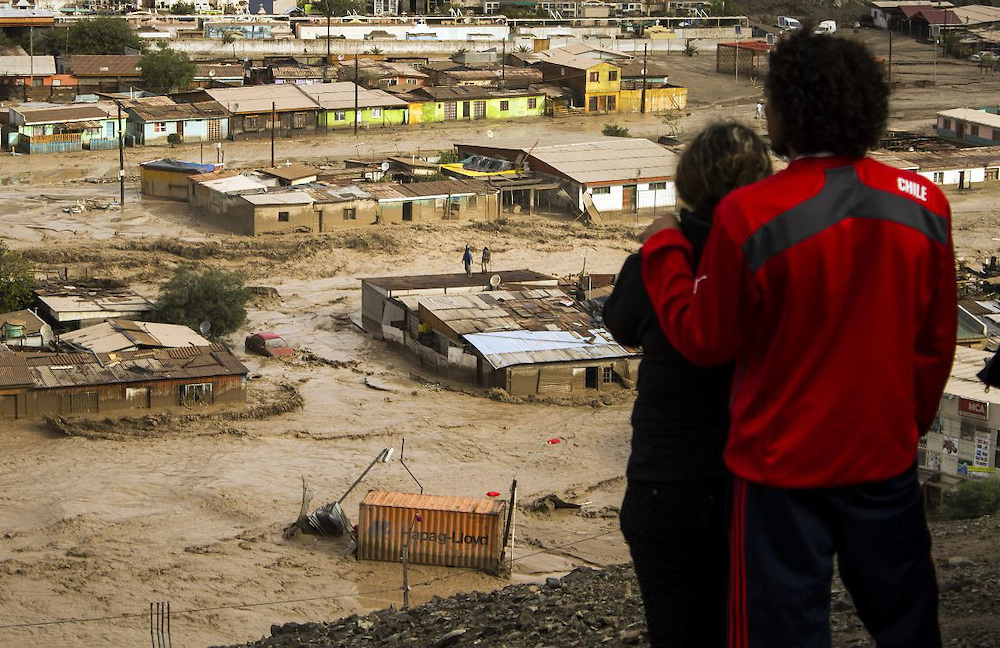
(388, 117)
(434, 111)
(332, 215)
(648, 201)
(268, 218)
(164, 184)
(953, 176)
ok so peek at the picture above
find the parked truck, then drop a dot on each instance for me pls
(826, 27)
(788, 23)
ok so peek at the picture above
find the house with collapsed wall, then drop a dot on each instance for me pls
(34, 385)
(514, 330)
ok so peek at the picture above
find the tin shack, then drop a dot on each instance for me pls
(440, 530)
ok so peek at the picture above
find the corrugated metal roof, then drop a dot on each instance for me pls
(973, 116)
(234, 184)
(22, 66)
(392, 499)
(104, 65)
(119, 335)
(279, 198)
(31, 322)
(48, 370)
(603, 160)
(13, 369)
(340, 96)
(507, 348)
(435, 189)
(64, 114)
(258, 99)
(458, 280)
(291, 171)
(963, 381)
(63, 300)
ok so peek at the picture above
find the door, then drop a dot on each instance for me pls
(478, 109)
(628, 198)
(466, 109)
(959, 130)
(214, 129)
(8, 407)
(407, 211)
(450, 111)
(602, 103)
(180, 130)
(137, 397)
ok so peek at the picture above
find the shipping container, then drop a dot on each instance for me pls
(451, 531)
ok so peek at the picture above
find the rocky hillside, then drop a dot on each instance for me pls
(591, 608)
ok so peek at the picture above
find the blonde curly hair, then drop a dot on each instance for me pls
(721, 158)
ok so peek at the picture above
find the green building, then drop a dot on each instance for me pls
(468, 103)
(376, 108)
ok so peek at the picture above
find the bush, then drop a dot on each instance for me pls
(194, 296)
(173, 139)
(16, 280)
(972, 499)
(614, 130)
(690, 49)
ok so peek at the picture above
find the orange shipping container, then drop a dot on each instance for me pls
(453, 531)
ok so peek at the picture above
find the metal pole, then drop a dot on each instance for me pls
(273, 114)
(152, 637)
(503, 65)
(642, 103)
(356, 79)
(121, 158)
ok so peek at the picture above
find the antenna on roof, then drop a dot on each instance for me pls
(495, 282)
(205, 327)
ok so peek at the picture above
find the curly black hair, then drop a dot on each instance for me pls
(828, 94)
(722, 157)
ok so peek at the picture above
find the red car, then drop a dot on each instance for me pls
(268, 344)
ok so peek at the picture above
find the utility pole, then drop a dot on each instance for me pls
(503, 65)
(356, 80)
(121, 159)
(273, 115)
(31, 62)
(890, 51)
(645, 59)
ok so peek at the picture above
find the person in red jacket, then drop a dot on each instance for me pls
(832, 286)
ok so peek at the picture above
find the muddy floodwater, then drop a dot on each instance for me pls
(98, 521)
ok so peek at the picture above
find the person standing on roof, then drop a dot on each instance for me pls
(832, 285)
(485, 263)
(467, 261)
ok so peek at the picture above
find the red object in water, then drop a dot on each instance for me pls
(554, 441)
(493, 494)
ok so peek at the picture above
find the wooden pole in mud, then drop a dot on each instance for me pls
(121, 159)
(273, 110)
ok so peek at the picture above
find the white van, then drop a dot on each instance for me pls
(789, 24)
(826, 27)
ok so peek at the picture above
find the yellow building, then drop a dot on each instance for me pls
(595, 83)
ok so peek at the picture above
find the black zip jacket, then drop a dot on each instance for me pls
(681, 412)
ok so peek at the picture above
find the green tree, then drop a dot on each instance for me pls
(101, 35)
(16, 280)
(166, 70)
(193, 296)
(182, 9)
(331, 8)
(614, 130)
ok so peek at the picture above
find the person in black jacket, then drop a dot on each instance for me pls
(674, 513)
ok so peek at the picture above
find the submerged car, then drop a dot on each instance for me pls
(268, 344)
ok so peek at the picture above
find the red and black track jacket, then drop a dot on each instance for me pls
(832, 283)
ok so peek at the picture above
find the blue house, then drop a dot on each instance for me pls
(152, 121)
(981, 127)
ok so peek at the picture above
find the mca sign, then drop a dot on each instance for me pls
(973, 408)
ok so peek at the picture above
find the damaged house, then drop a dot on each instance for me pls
(34, 385)
(514, 330)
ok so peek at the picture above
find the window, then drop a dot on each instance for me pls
(299, 120)
(595, 76)
(657, 186)
(600, 190)
(992, 174)
(974, 131)
(938, 177)
(252, 123)
(607, 376)
(411, 82)
(56, 82)
(350, 213)
(282, 217)
(339, 115)
(160, 127)
(532, 103)
(504, 106)
(613, 75)
(612, 102)
(996, 134)
(946, 124)
(376, 113)
(592, 104)
(393, 82)
(196, 393)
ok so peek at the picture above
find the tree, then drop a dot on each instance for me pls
(166, 70)
(102, 35)
(16, 280)
(182, 9)
(194, 296)
(331, 8)
(614, 130)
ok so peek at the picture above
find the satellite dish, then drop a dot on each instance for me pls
(205, 327)
(384, 166)
(495, 281)
(211, 73)
(490, 134)
(340, 57)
